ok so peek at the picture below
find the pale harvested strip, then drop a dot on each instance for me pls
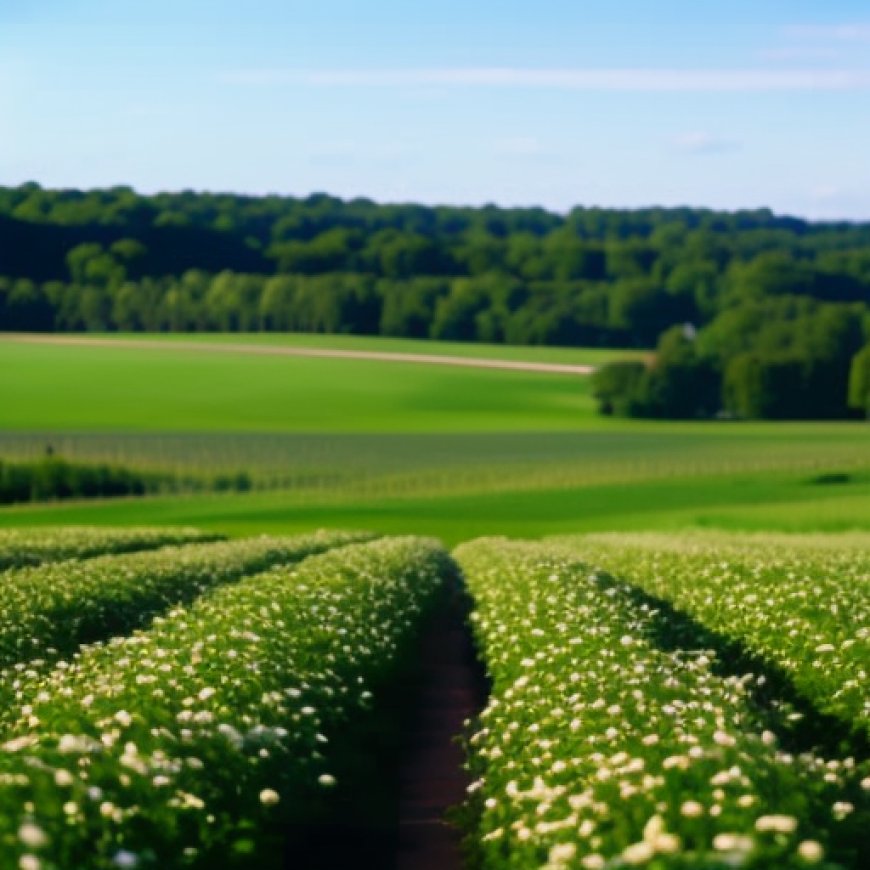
(36, 546)
(49, 611)
(804, 606)
(598, 748)
(191, 741)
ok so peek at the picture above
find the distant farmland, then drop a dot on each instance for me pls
(416, 448)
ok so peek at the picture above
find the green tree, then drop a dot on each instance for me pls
(859, 381)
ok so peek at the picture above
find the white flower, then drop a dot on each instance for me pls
(691, 809)
(811, 851)
(733, 843)
(63, 778)
(841, 809)
(32, 835)
(637, 853)
(562, 853)
(269, 797)
(777, 824)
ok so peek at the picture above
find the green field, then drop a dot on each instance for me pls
(472, 350)
(393, 447)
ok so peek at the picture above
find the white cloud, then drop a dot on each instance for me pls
(701, 142)
(802, 53)
(635, 80)
(855, 32)
(519, 146)
(826, 192)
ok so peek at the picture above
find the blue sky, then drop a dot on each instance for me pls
(741, 103)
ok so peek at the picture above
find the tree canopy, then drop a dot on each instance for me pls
(774, 303)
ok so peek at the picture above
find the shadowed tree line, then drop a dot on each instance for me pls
(756, 315)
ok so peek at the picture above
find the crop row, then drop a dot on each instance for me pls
(48, 611)
(20, 547)
(803, 607)
(601, 748)
(188, 743)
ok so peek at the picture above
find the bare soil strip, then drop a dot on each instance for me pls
(322, 353)
(432, 778)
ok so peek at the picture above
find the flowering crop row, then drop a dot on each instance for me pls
(803, 607)
(20, 547)
(48, 611)
(600, 749)
(182, 743)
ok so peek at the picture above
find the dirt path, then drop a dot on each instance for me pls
(323, 353)
(431, 775)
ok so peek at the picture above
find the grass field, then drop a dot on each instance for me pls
(116, 388)
(411, 448)
(470, 350)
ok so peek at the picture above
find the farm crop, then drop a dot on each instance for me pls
(20, 547)
(185, 744)
(805, 607)
(48, 611)
(600, 748)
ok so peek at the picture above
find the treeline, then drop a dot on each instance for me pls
(115, 260)
(491, 308)
(53, 478)
(778, 358)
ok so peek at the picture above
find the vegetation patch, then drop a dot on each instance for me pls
(602, 747)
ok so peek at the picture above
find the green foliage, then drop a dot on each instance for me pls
(799, 605)
(50, 610)
(22, 547)
(52, 478)
(677, 384)
(859, 381)
(219, 727)
(616, 386)
(612, 737)
(111, 259)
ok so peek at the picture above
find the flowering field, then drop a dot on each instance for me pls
(603, 746)
(19, 547)
(657, 701)
(190, 742)
(48, 611)
(803, 607)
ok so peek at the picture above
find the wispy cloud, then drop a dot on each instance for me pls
(826, 192)
(702, 142)
(638, 80)
(854, 32)
(519, 146)
(802, 53)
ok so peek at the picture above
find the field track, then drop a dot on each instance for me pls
(323, 353)
(432, 778)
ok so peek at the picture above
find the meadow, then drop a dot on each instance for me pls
(410, 448)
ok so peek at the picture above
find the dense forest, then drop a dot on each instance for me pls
(754, 314)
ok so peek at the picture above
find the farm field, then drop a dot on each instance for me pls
(255, 716)
(416, 449)
(801, 605)
(317, 341)
(616, 734)
(207, 681)
(143, 750)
